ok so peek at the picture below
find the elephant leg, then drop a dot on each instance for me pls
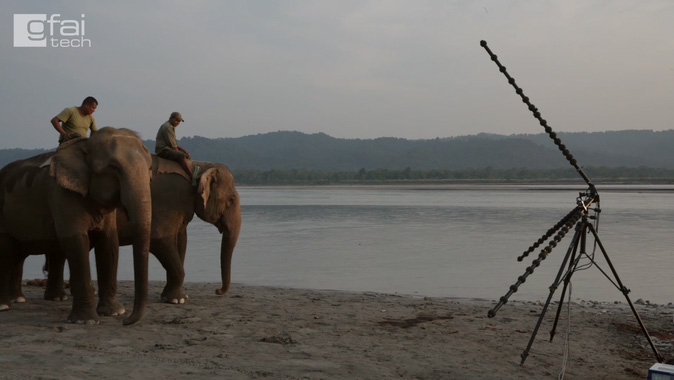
(106, 246)
(182, 246)
(7, 258)
(55, 290)
(84, 308)
(168, 253)
(180, 274)
(15, 293)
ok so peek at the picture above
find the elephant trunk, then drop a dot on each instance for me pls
(230, 234)
(137, 200)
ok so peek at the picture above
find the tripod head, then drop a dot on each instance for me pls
(588, 198)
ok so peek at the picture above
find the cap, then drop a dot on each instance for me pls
(177, 115)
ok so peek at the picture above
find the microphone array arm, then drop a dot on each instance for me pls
(540, 119)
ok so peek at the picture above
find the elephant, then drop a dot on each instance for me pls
(174, 203)
(63, 203)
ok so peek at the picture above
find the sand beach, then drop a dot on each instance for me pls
(258, 332)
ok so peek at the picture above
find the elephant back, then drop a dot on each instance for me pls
(26, 168)
(164, 166)
(17, 179)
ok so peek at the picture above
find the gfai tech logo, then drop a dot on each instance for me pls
(42, 30)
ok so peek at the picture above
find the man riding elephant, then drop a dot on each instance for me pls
(167, 147)
(74, 122)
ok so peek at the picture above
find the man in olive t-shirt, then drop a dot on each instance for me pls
(75, 122)
(167, 147)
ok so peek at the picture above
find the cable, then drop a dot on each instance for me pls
(565, 357)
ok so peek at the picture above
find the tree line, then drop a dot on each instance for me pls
(486, 175)
(286, 150)
(287, 157)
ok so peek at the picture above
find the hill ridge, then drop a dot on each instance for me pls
(287, 150)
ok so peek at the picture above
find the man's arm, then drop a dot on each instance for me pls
(183, 150)
(93, 128)
(56, 123)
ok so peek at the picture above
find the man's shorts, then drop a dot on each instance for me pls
(173, 155)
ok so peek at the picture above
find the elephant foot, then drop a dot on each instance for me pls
(16, 295)
(109, 308)
(4, 307)
(176, 298)
(83, 318)
(87, 322)
(55, 295)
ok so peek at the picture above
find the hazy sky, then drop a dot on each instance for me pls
(350, 69)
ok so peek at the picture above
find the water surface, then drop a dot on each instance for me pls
(447, 241)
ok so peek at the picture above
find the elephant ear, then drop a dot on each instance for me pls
(205, 182)
(70, 170)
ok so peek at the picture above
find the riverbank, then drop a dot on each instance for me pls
(631, 187)
(278, 333)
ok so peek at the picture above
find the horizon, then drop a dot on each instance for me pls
(349, 69)
(383, 137)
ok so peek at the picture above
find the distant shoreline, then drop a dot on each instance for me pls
(478, 186)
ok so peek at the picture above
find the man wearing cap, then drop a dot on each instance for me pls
(167, 147)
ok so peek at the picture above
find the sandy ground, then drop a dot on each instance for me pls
(277, 333)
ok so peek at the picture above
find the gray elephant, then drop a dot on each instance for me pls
(174, 203)
(63, 203)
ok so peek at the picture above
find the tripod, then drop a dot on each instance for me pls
(576, 251)
(578, 217)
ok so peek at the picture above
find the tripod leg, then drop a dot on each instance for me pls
(572, 249)
(573, 263)
(625, 292)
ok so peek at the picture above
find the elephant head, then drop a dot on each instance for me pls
(112, 169)
(218, 203)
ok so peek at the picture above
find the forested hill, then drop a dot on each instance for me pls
(295, 150)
